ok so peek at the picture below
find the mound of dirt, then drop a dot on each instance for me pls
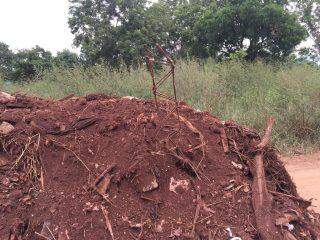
(98, 167)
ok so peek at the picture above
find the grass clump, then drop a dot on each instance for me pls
(246, 92)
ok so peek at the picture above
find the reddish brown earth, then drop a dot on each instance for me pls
(51, 162)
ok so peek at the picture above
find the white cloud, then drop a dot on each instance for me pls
(26, 23)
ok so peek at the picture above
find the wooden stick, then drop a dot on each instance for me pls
(40, 235)
(261, 198)
(224, 140)
(196, 216)
(197, 132)
(50, 232)
(266, 138)
(42, 179)
(108, 223)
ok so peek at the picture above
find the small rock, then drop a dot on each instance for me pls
(6, 98)
(146, 182)
(27, 200)
(6, 128)
(246, 188)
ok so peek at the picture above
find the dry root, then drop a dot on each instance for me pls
(26, 151)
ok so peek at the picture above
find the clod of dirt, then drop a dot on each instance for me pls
(6, 98)
(6, 128)
(3, 160)
(97, 167)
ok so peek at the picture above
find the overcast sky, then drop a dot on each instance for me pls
(26, 23)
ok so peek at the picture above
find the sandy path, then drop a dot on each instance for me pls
(305, 172)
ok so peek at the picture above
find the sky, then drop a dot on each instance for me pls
(26, 23)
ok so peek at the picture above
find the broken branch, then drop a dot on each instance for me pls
(224, 140)
(261, 199)
(108, 223)
(266, 138)
(196, 216)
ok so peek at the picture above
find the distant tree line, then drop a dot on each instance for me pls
(117, 32)
(24, 64)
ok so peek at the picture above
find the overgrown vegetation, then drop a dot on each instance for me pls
(246, 92)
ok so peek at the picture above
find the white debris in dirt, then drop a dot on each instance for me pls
(133, 225)
(178, 184)
(6, 128)
(90, 207)
(152, 186)
(176, 233)
(130, 98)
(237, 165)
(290, 226)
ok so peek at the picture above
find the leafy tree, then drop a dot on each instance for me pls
(107, 29)
(186, 15)
(308, 55)
(6, 58)
(118, 30)
(309, 11)
(267, 27)
(66, 59)
(28, 61)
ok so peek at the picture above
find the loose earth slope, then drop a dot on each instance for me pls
(98, 167)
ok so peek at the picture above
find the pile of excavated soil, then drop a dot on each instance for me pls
(98, 167)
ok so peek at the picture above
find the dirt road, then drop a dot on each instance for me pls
(305, 171)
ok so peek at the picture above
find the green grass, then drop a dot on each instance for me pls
(246, 92)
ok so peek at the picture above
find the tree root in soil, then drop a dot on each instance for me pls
(261, 198)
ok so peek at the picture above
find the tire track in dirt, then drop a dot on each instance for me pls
(305, 172)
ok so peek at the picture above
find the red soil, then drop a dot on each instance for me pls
(50, 167)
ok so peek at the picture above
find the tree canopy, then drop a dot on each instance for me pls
(117, 30)
(6, 57)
